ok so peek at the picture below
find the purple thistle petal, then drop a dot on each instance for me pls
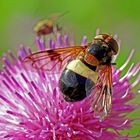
(58, 41)
(66, 41)
(40, 44)
(84, 41)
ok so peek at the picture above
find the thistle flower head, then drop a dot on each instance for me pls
(32, 106)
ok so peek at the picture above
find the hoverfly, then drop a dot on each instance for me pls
(86, 71)
(48, 26)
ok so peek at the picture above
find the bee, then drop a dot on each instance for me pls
(86, 71)
(48, 26)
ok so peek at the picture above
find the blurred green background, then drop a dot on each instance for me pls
(121, 17)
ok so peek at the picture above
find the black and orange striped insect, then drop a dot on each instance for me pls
(86, 71)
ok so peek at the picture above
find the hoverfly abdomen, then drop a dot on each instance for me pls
(75, 81)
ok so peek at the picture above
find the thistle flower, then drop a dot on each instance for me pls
(32, 106)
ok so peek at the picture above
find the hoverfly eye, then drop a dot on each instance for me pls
(98, 51)
(104, 47)
(107, 49)
(92, 49)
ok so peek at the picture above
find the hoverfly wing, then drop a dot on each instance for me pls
(101, 95)
(52, 60)
(56, 16)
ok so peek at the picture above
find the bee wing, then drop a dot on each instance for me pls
(52, 60)
(101, 96)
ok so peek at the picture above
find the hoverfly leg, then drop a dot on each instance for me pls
(57, 30)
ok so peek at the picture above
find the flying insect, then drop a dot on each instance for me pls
(86, 71)
(49, 25)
